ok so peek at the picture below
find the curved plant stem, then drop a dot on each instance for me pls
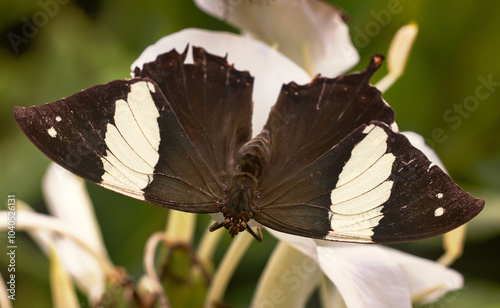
(63, 292)
(226, 268)
(4, 301)
(208, 244)
(180, 226)
(149, 266)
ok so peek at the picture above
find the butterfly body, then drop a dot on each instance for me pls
(329, 164)
(240, 205)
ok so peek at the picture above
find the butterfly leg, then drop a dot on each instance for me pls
(243, 226)
(216, 226)
(258, 235)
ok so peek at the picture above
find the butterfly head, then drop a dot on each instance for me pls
(236, 219)
(238, 208)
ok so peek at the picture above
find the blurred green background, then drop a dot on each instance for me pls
(86, 43)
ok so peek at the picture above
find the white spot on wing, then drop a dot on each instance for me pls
(133, 140)
(52, 132)
(439, 212)
(363, 187)
(394, 127)
(439, 196)
(58, 119)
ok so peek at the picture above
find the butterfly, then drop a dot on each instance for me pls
(329, 163)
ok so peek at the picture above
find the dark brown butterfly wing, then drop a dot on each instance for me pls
(309, 120)
(340, 172)
(372, 187)
(212, 101)
(159, 137)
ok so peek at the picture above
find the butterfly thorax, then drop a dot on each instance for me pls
(238, 209)
(249, 163)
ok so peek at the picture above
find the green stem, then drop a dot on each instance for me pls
(285, 261)
(226, 268)
(208, 244)
(180, 226)
(4, 300)
(149, 266)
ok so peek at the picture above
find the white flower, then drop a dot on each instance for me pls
(364, 275)
(311, 33)
(70, 236)
(68, 200)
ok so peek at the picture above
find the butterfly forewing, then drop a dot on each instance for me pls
(371, 187)
(72, 131)
(168, 144)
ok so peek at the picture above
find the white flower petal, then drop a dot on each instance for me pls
(288, 279)
(63, 292)
(374, 275)
(88, 269)
(67, 198)
(365, 275)
(82, 266)
(269, 67)
(398, 55)
(374, 281)
(312, 33)
(303, 244)
(427, 280)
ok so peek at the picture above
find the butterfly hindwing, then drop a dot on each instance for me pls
(211, 99)
(308, 120)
